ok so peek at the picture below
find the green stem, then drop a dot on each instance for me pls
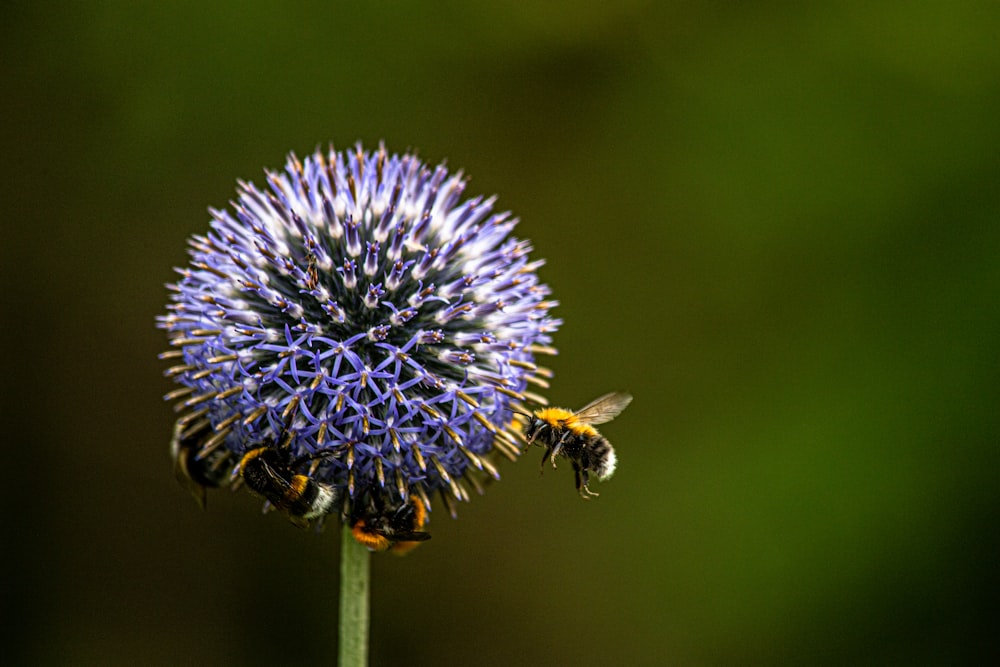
(354, 578)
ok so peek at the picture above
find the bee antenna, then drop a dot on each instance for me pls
(519, 412)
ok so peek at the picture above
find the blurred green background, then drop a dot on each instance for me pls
(776, 226)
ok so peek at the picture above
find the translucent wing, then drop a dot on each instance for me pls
(278, 482)
(411, 536)
(604, 409)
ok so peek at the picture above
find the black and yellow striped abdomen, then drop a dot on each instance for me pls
(267, 472)
(564, 434)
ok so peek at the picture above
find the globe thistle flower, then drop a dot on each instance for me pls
(361, 327)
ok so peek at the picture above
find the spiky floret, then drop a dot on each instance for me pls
(365, 315)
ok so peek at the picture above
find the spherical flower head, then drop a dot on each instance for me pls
(363, 317)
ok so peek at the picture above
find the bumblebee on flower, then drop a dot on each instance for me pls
(355, 336)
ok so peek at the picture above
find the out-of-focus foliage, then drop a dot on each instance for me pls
(776, 226)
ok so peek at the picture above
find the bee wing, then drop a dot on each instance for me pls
(604, 409)
(277, 479)
(412, 536)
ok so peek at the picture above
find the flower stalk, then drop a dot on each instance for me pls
(355, 576)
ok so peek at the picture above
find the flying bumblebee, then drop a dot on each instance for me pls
(268, 471)
(572, 434)
(395, 528)
(197, 471)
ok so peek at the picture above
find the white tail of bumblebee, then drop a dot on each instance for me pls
(609, 466)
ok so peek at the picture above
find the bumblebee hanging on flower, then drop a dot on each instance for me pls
(572, 435)
(392, 526)
(269, 472)
(198, 467)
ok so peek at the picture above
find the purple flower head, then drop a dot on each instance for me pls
(366, 319)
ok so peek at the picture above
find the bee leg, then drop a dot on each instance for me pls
(557, 448)
(554, 452)
(582, 480)
(545, 456)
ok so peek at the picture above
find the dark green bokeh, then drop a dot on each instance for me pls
(777, 227)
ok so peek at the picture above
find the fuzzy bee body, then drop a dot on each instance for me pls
(572, 435)
(268, 472)
(395, 528)
(195, 470)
